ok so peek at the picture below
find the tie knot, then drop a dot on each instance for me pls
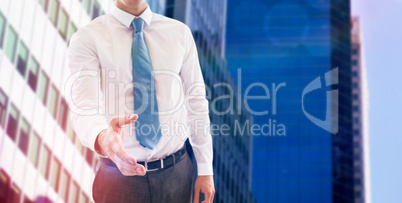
(138, 24)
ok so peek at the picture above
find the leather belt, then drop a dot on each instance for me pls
(157, 164)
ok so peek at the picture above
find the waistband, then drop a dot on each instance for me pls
(166, 162)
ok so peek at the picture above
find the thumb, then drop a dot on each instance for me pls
(118, 122)
(196, 195)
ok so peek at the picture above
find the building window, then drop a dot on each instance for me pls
(86, 4)
(55, 174)
(354, 62)
(169, 10)
(70, 132)
(2, 28)
(356, 145)
(33, 73)
(12, 122)
(34, 148)
(10, 44)
(63, 23)
(22, 59)
(26, 199)
(64, 183)
(4, 186)
(356, 108)
(3, 107)
(63, 114)
(357, 155)
(53, 11)
(95, 9)
(42, 87)
(73, 196)
(53, 99)
(44, 162)
(80, 148)
(355, 73)
(23, 139)
(71, 30)
(15, 194)
(356, 132)
(43, 4)
(89, 156)
(84, 198)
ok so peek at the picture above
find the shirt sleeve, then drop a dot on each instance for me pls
(197, 107)
(83, 92)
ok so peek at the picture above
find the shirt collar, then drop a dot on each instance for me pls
(126, 18)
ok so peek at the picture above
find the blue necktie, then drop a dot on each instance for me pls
(145, 104)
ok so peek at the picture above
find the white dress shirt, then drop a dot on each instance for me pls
(100, 85)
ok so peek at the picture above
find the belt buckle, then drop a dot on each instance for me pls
(146, 166)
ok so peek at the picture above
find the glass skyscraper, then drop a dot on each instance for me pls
(41, 159)
(297, 55)
(232, 152)
(360, 118)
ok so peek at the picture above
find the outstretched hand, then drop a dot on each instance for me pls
(110, 142)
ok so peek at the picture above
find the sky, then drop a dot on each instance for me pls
(381, 29)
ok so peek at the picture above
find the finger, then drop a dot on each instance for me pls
(211, 197)
(126, 167)
(196, 195)
(207, 197)
(128, 119)
(118, 122)
(131, 169)
(122, 154)
(129, 163)
(141, 169)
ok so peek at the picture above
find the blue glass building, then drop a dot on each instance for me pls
(300, 51)
(232, 152)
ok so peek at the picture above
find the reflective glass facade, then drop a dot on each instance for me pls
(232, 151)
(285, 45)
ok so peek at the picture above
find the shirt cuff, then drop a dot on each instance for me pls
(204, 169)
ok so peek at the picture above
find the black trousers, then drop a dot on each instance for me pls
(173, 184)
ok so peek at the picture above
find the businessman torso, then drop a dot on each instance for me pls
(105, 45)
